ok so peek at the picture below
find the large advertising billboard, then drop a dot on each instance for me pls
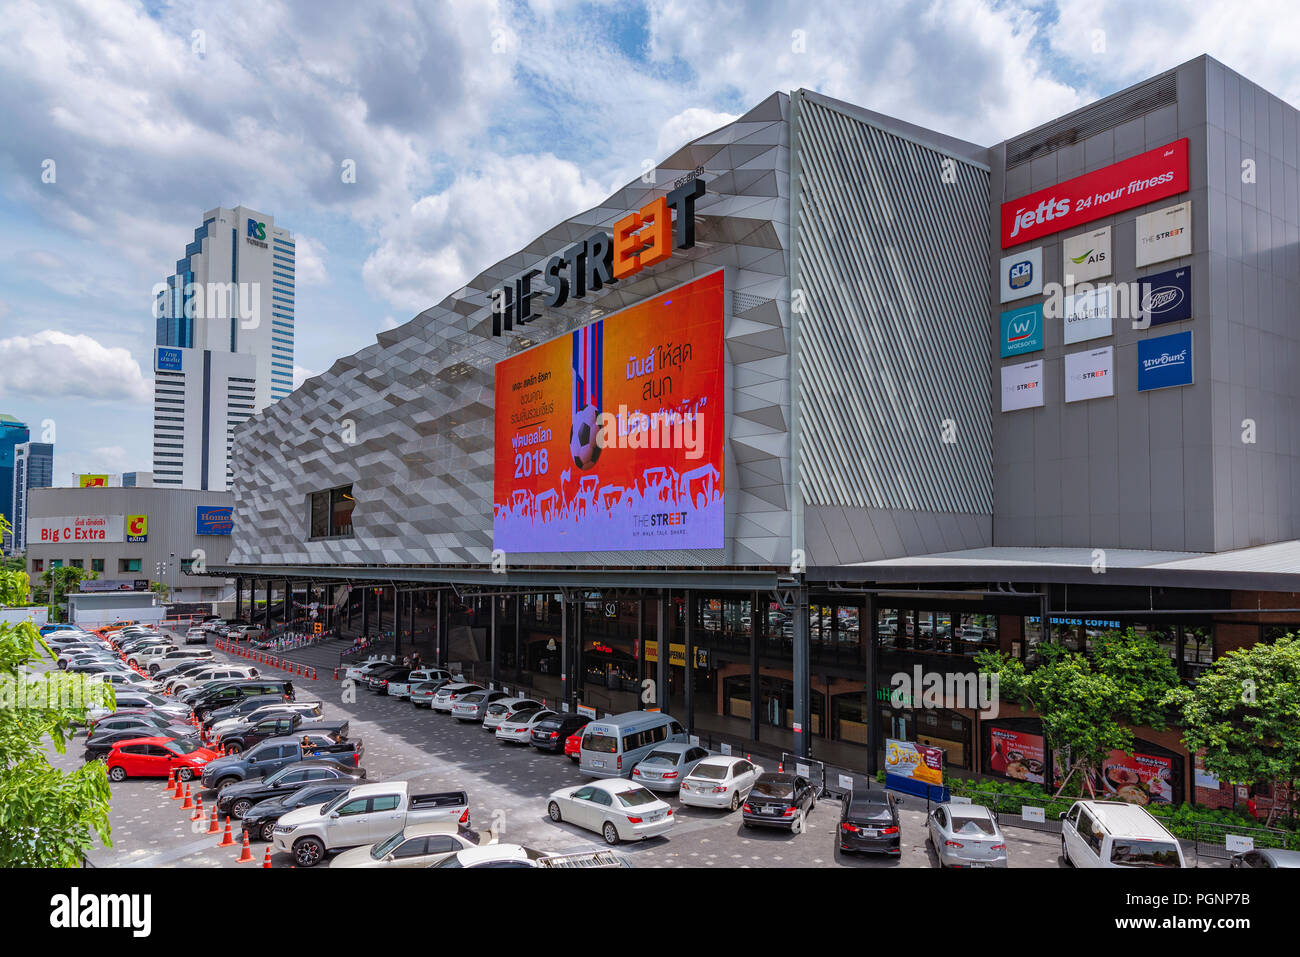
(1164, 234)
(74, 528)
(1166, 296)
(1022, 274)
(1137, 181)
(1022, 330)
(1165, 362)
(1022, 386)
(1090, 374)
(610, 438)
(213, 520)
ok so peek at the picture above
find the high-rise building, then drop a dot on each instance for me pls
(224, 343)
(33, 468)
(12, 434)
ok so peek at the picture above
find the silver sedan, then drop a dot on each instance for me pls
(664, 768)
(966, 835)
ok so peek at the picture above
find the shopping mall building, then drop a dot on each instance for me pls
(872, 398)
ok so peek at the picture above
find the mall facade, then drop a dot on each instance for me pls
(970, 398)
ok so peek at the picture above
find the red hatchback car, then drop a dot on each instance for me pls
(154, 757)
(573, 746)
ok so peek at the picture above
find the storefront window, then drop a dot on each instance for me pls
(1198, 650)
(887, 627)
(976, 633)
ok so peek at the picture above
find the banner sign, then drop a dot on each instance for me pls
(92, 481)
(1164, 234)
(1165, 362)
(1022, 386)
(1138, 778)
(75, 528)
(1166, 296)
(1087, 256)
(1090, 375)
(1145, 178)
(1022, 330)
(913, 762)
(1017, 755)
(1022, 274)
(611, 437)
(213, 520)
(1088, 315)
(168, 360)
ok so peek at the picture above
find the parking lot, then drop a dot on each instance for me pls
(508, 786)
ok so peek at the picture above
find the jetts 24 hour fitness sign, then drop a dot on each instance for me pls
(640, 239)
(1152, 175)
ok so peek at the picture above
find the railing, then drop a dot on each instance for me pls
(1010, 809)
(1211, 839)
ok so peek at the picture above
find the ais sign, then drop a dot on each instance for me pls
(1145, 178)
(639, 239)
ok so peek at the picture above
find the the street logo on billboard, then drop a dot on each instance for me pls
(1164, 234)
(1090, 374)
(1022, 386)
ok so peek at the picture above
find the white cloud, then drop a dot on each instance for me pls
(686, 126)
(388, 323)
(449, 237)
(309, 261)
(53, 363)
(301, 375)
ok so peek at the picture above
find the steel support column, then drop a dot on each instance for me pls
(661, 635)
(564, 649)
(802, 673)
(873, 706)
(688, 719)
(755, 698)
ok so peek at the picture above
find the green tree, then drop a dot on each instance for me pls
(1244, 711)
(48, 817)
(161, 590)
(1087, 705)
(60, 581)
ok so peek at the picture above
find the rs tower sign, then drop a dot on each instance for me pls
(640, 239)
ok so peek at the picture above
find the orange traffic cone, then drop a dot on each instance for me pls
(246, 853)
(213, 826)
(266, 861)
(189, 803)
(171, 778)
(177, 794)
(226, 839)
(198, 809)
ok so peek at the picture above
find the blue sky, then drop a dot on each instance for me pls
(473, 126)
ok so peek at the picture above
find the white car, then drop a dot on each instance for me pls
(447, 693)
(216, 673)
(308, 709)
(499, 711)
(518, 729)
(416, 845)
(402, 689)
(358, 672)
(616, 809)
(719, 781)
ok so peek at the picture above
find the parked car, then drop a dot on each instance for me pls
(402, 689)
(207, 700)
(175, 672)
(110, 731)
(416, 845)
(271, 755)
(502, 708)
(423, 692)
(779, 800)
(179, 655)
(617, 810)
(450, 692)
(309, 710)
(367, 813)
(377, 681)
(259, 820)
(241, 708)
(1262, 857)
(664, 767)
(966, 835)
(473, 706)
(359, 672)
(869, 821)
(494, 855)
(241, 738)
(612, 746)
(215, 673)
(551, 734)
(142, 655)
(197, 635)
(237, 799)
(143, 699)
(519, 728)
(155, 757)
(573, 747)
(1116, 834)
(719, 781)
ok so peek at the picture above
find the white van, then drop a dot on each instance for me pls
(610, 748)
(1116, 834)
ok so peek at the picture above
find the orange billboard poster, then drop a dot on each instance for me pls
(610, 438)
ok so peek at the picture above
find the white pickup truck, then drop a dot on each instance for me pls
(367, 814)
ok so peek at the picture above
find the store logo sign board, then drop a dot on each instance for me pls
(1164, 234)
(1155, 174)
(1166, 296)
(1090, 375)
(75, 528)
(137, 529)
(213, 520)
(1088, 315)
(1022, 274)
(1165, 362)
(1022, 386)
(168, 360)
(1087, 256)
(1022, 330)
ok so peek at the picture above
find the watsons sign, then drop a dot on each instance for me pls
(638, 240)
(1165, 362)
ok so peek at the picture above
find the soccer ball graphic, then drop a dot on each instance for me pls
(582, 437)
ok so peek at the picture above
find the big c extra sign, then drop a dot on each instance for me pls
(75, 528)
(1149, 176)
(640, 239)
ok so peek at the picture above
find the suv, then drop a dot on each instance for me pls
(1116, 834)
(210, 699)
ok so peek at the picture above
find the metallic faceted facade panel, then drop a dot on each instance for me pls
(890, 231)
(419, 402)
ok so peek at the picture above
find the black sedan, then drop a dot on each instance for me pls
(869, 822)
(779, 800)
(259, 820)
(377, 680)
(550, 734)
(236, 799)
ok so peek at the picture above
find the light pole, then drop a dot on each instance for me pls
(171, 578)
